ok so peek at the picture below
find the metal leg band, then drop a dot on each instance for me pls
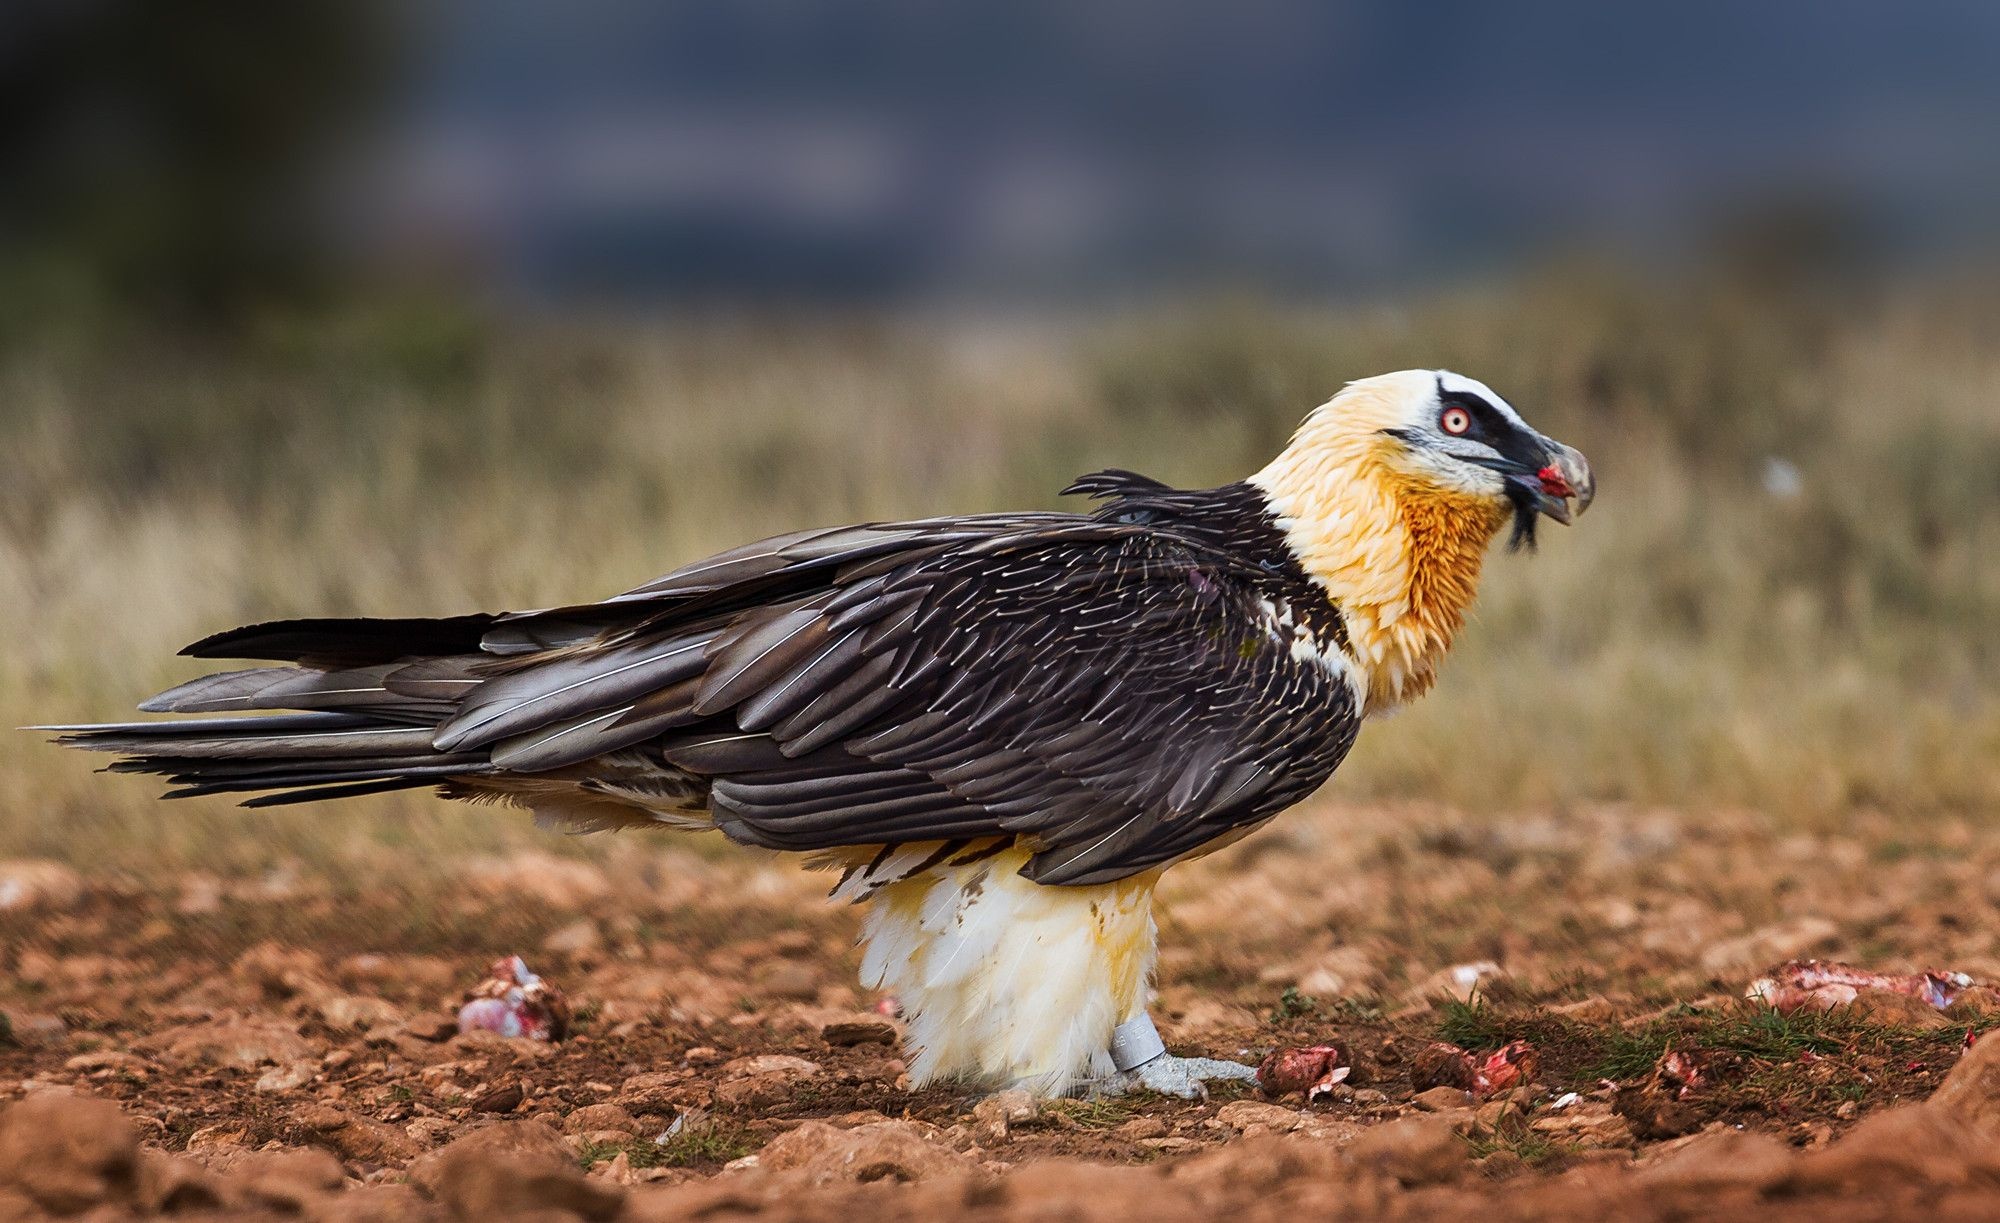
(1136, 1042)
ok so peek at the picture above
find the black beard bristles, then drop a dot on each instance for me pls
(1525, 516)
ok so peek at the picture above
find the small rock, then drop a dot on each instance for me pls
(1459, 982)
(1245, 1115)
(762, 1090)
(169, 1184)
(514, 1169)
(378, 1203)
(1589, 1125)
(68, 1152)
(1441, 1099)
(245, 1044)
(219, 1137)
(355, 1137)
(995, 1114)
(1722, 1158)
(1139, 1129)
(285, 1180)
(883, 1150)
(1593, 1010)
(355, 1012)
(503, 1099)
(770, 1063)
(1489, 1117)
(289, 1077)
(617, 1169)
(494, 1141)
(29, 884)
(431, 1026)
(502, 1050)
(427, 1130)
(1439, 1064)
(599, 1117)
(658, 1092)
(1414, 1151)
(855, 1030)
(1916, 1143)
(110, 1062)
(1970, 1094)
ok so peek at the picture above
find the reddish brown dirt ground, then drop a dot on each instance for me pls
(204, 1047)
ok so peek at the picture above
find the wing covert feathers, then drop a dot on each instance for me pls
(1114, 690)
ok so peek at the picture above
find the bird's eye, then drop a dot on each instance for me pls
(1455, 421)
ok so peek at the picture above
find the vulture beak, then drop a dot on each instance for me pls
(1564, 478)
(1561, 487)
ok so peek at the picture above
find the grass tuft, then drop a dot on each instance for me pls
(707, 1144)
(1293, 1005)
(1512, 1133)
(1095, 1113)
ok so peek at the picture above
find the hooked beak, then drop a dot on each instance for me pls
(1564, 478)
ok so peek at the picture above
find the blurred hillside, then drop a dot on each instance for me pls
(200, 159)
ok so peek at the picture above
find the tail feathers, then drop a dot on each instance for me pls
(352, 642)
(416, 692)
(306, 756)
(318, 793)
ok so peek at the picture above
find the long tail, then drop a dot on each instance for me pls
(303, 756)
(365, 703)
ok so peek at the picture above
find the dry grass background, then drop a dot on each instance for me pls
(1699, 640)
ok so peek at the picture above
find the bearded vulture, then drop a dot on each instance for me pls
(1001, 728)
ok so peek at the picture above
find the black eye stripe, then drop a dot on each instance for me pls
(1486, 418)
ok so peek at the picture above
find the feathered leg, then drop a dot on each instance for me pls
(1007, 983)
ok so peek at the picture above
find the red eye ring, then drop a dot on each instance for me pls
(1455, 421)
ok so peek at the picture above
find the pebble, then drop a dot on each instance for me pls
(995, 1115)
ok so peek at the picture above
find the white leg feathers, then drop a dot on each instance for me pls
(1006, 983)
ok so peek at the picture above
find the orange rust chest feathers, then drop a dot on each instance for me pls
(1449, 534)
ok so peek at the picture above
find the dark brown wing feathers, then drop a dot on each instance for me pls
(1114, 687)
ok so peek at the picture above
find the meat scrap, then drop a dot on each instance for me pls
(1445, 1065)
(1679, 1072)
(1658, 1107)
(1312, 1069)
(515, 1002)
(1821, 985)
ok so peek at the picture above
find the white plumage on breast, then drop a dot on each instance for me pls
(1006, 982)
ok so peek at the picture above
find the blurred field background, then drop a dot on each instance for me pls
(251, 369)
